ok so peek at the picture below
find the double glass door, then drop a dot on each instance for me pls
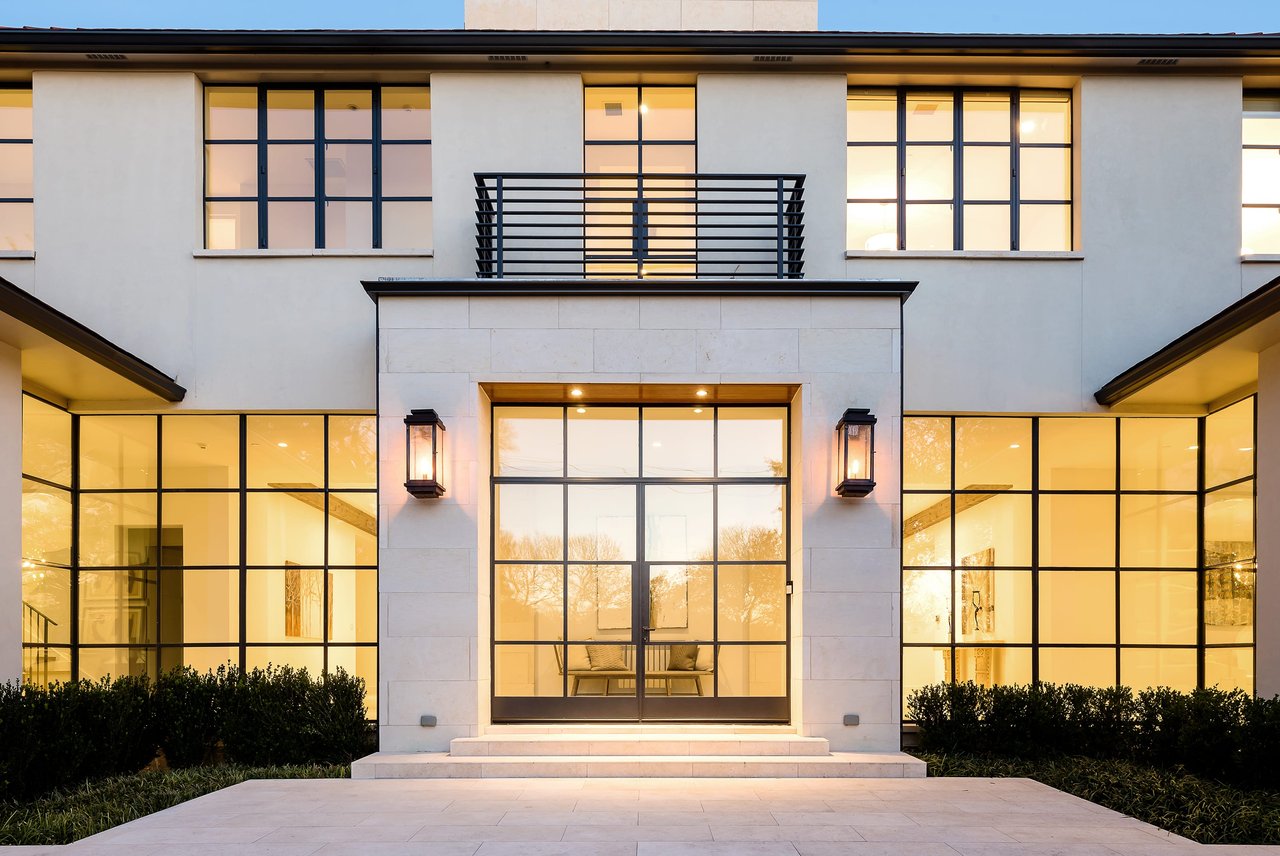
(640, 563)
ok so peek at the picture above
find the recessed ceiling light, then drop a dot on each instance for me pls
(1015, 445)
(575, 392)
(582, 410)
(697, 410)
(657, 444)
(1246, 448)
(283, 445)
(1193, 448)
(702, 393)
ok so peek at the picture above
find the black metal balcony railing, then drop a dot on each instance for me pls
(35, 658)
(623, 225)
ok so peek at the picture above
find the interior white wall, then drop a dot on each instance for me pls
(11, 512)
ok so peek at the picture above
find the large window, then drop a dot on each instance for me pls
(1261, 194)
(17, 209)
(959, 170)
(1089, 550)
(640, 140)
(151, 542)
(317, 167)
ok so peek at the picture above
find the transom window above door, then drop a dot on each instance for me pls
(959, 170)
(307, 167)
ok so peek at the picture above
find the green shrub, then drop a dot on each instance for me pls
(1171, 798)
(79, 731)
(189, 715)
(279, 715)
(1218, 734)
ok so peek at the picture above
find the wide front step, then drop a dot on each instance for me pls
(627, 744)
(441, 765)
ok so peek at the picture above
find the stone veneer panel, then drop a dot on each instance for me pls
(435, 352)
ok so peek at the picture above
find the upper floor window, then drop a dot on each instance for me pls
(317, 167)
(640, 139)
(959, 169)
(17, 209)
(1261, 215)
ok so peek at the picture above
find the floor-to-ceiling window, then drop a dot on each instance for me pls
(1090, 550)
(640, 562)
(640, 141)
(152, 542)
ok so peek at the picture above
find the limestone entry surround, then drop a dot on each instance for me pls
(436, 350)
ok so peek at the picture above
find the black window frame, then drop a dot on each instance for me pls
(318, 140)
(958, 145)
(29, 141)
(1244, 147)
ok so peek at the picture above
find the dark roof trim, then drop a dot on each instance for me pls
(1228, 323)
(39, 315)
(822, 43)
(638, 288)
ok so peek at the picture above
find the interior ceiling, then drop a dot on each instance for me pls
(1230, 367)
(634, 393)
(56, 368)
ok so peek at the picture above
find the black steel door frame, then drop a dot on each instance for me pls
(640, 708)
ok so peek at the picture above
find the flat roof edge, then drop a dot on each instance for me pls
(900, 289)
(1230, 322)
(816, 42)
(37, 314)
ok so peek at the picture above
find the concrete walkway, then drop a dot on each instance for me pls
(637, 817)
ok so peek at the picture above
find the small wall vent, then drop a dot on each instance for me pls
(772, 58)
(108, 57)
(1158, 60)
(508, 58)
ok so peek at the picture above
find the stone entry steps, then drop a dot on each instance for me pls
(632, 755)
(662, 743)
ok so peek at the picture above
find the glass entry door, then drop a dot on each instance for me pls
(640, 563)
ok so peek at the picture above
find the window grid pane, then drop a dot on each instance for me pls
(1140, 574)
(308, 167)
(1002, 165)
(163, 571)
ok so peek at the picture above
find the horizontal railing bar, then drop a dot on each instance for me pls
(712, 176)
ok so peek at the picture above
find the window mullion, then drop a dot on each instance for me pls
(957, 156)
(262, 167)
(1015, 173)
(902, 169)
(321, 200)
(376, 155)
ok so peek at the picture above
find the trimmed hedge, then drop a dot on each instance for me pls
(81, 730)
(1216, 734)
(1206, 811)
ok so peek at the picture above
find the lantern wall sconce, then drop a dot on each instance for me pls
(424, 439)
(855, 452)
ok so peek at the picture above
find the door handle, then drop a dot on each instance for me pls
(648, 629)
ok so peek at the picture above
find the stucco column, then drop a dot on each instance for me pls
(10, 513)
(1268, 523)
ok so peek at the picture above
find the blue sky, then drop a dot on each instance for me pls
(994, 16)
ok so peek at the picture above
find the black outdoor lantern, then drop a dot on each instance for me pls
(425, 454)
(855, 451)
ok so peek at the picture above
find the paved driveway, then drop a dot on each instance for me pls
(637, 817)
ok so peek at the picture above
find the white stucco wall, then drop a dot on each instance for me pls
(495, 123)
(804, 132)
(118, 177)
(435, 351)
(10, 513)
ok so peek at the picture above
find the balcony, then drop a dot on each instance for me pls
(651, 225)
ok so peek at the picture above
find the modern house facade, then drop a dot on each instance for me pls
(641, 362)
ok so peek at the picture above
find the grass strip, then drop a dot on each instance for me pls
(1200, 809)
(67, 815)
